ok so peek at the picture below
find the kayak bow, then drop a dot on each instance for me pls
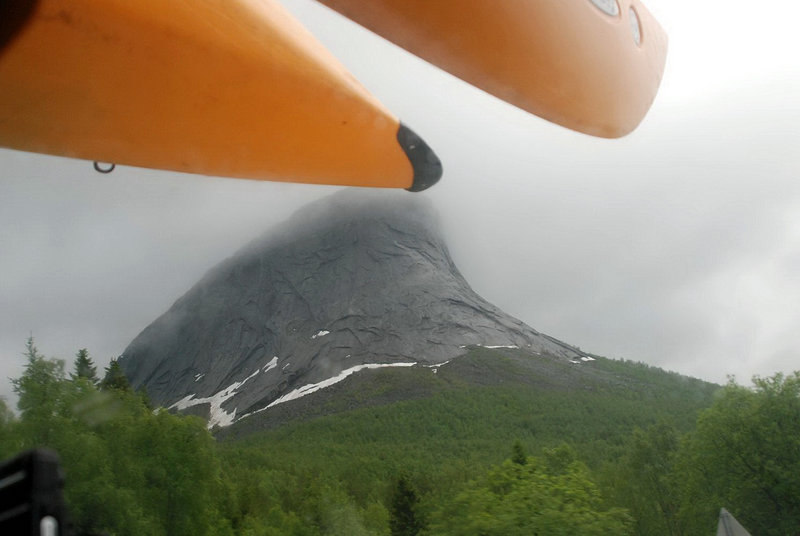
(234, 88)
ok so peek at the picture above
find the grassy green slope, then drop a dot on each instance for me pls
(445, 428)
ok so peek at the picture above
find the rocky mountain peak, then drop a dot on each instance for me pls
(357, 281)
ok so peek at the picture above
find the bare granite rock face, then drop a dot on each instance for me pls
(358, 280)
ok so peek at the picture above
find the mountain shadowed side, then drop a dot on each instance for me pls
(357, 280)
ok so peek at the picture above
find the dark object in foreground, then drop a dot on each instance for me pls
(31, 498)
(427, 166)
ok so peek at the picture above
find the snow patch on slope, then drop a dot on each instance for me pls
(314, 387)
(435, 367)
(271, 365)
(218, 416)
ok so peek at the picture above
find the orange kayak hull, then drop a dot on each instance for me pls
(234, 88)
(590, 65)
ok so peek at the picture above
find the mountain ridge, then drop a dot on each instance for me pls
(357, 280)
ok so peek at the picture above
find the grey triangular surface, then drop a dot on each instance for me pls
(357, 280)
(728, 526)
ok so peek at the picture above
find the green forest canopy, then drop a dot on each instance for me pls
(133, 469)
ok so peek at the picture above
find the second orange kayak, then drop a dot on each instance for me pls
(590, 65)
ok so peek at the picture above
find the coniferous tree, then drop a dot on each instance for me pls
(85, 367)
(39, 387)
(518, 453)
(404, 518)
(115, 378)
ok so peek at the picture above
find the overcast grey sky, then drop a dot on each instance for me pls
(678, 245)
